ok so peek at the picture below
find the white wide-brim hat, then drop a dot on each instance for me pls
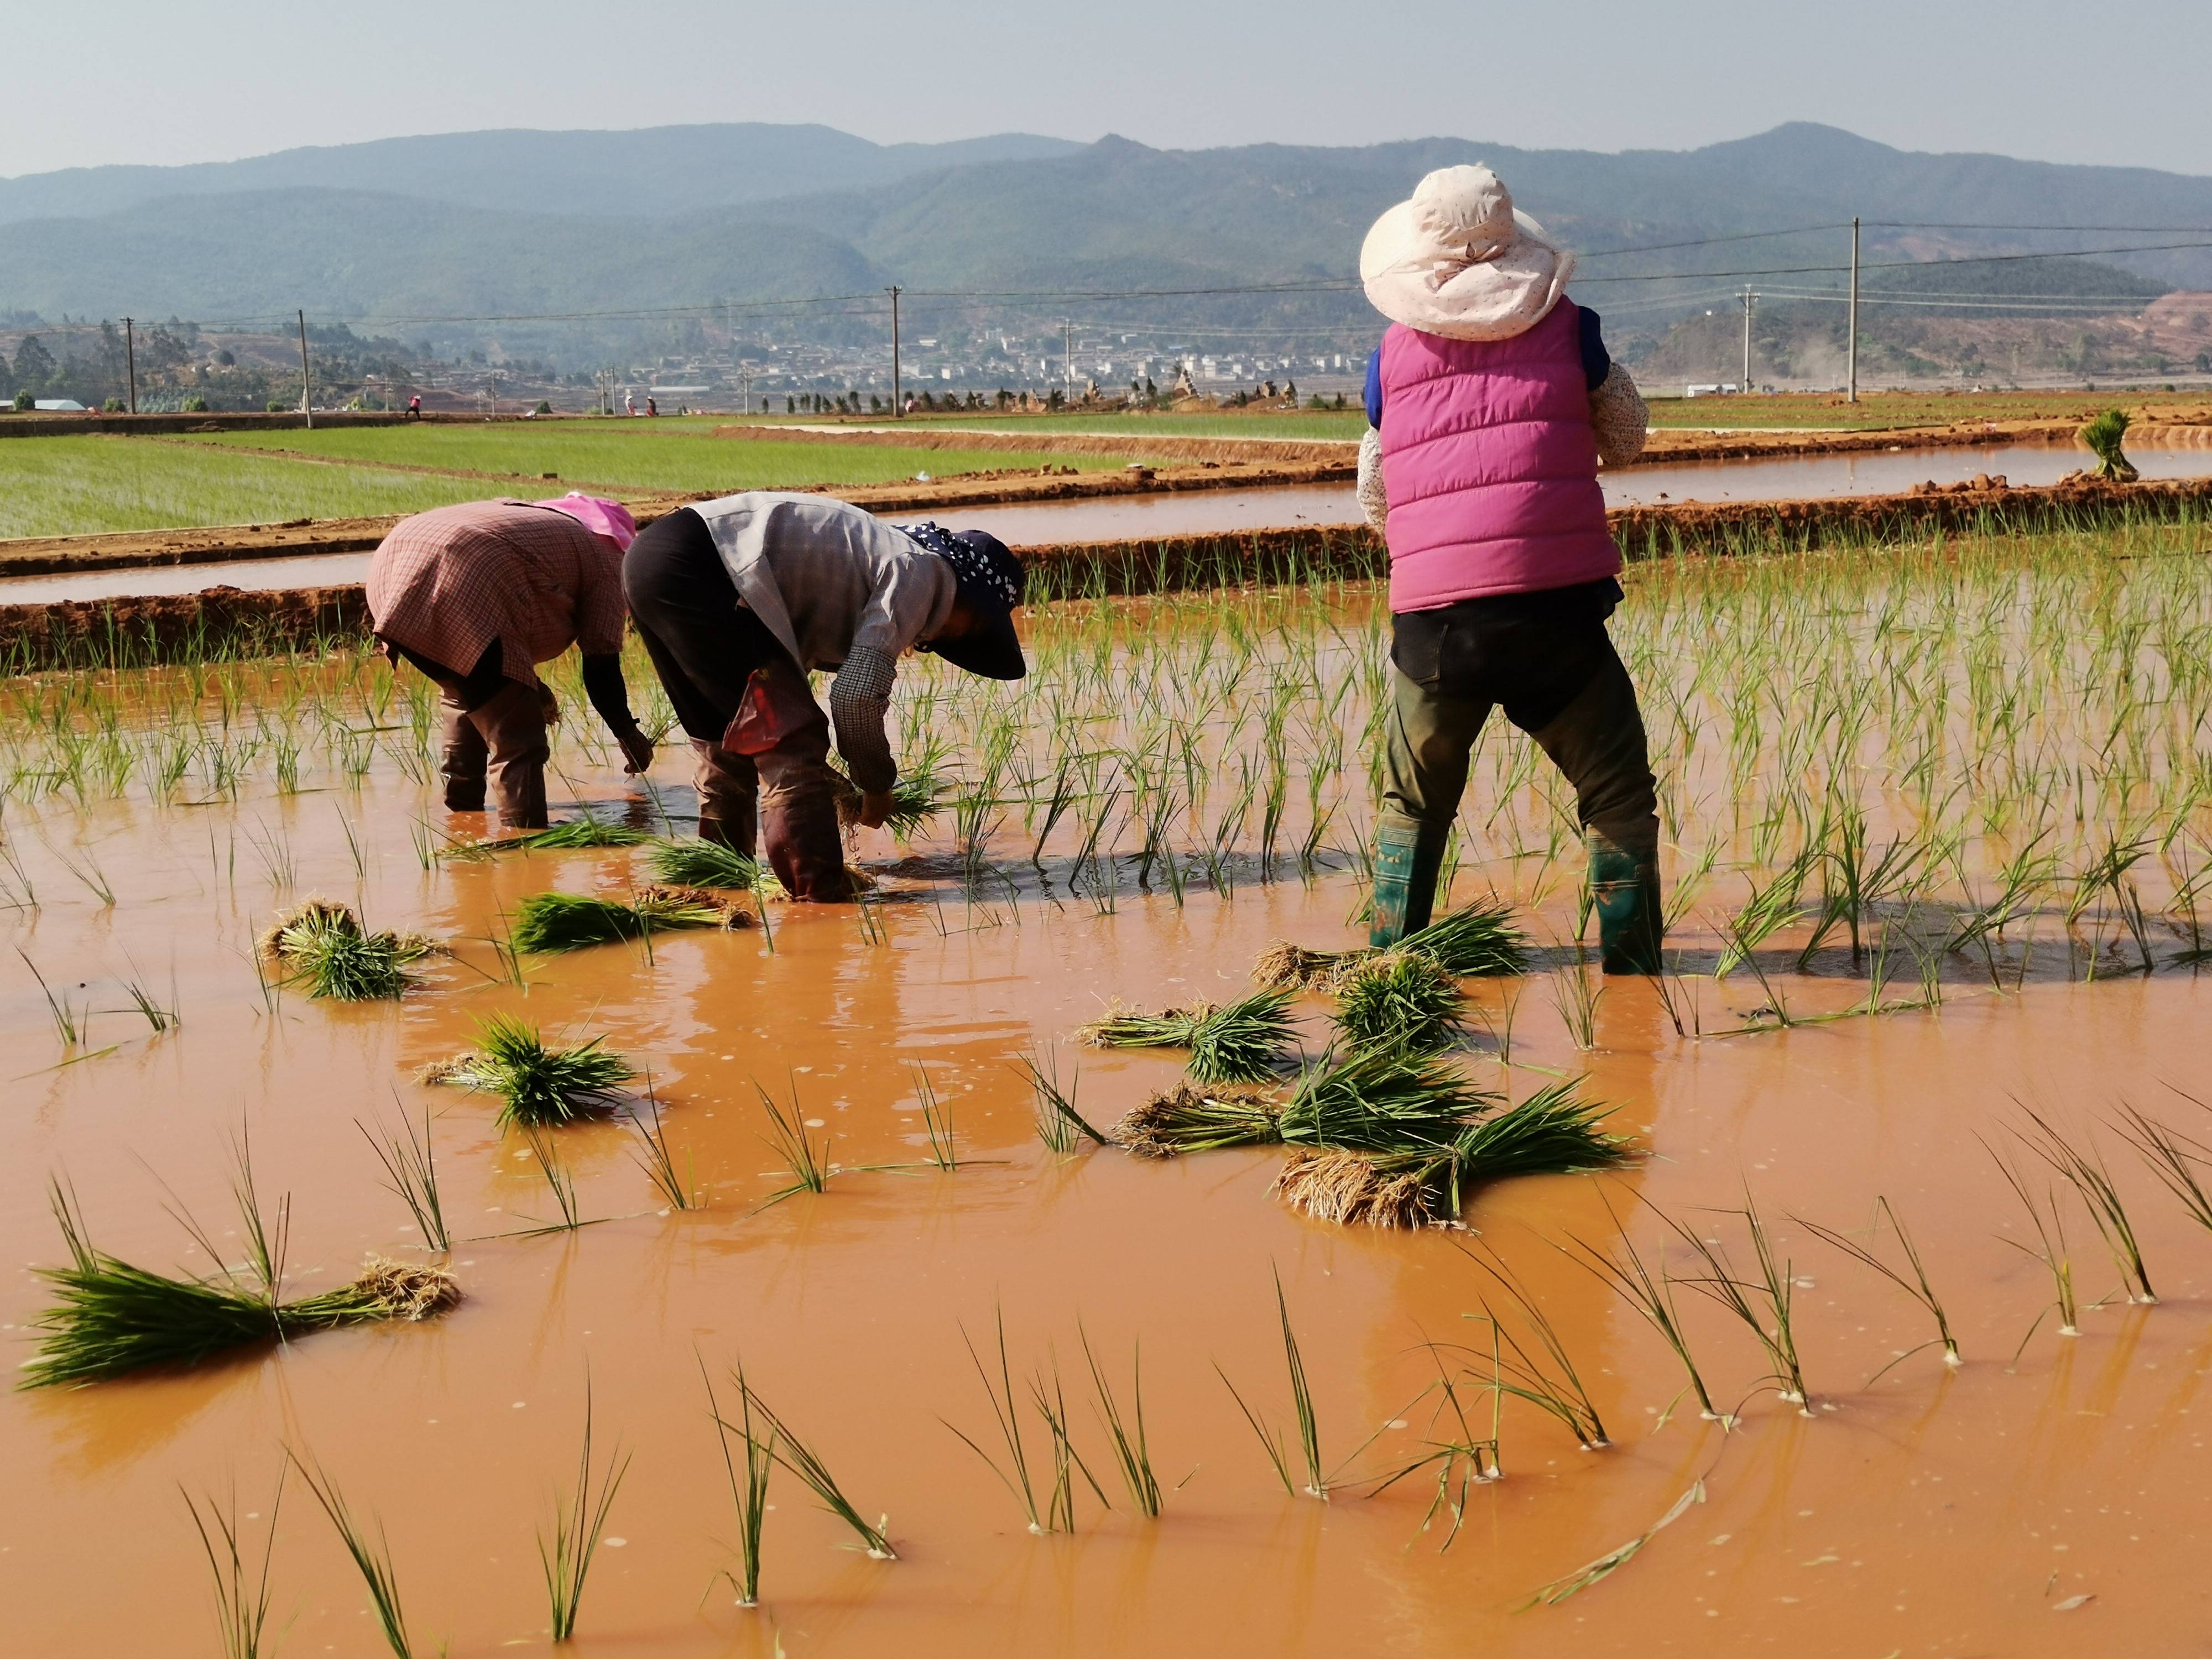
(1459, 259)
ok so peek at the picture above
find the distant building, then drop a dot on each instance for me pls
(58, 406)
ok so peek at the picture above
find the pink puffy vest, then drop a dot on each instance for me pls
(1490, 465)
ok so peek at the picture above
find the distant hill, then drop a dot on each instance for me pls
(653, 171)
(470, 226)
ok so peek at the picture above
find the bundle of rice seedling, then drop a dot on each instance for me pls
(570, 921)
(1551, 1133)
(1242, 1041)
(734, 910)
(2103, 435)
(1382, 1101)
(536, 1085)
(111, 1317)
(585, 832)
(1285, 966)
(1477, 939)
(920, 793)
(1187, 1120)
(325, 948)
(1400, 999)
(689, 861)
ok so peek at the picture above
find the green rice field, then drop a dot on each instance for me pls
(84, 485)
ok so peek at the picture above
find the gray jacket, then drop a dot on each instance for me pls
(842, 590)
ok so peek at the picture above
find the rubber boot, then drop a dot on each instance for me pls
(799, 834)
(513, 727)
(729, 797)
(462, 758)
(1408, 855)
(1626, 894)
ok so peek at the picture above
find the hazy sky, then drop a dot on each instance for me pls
(157, 81)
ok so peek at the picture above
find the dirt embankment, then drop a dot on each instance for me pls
(48, 555)
(1161, 446)
(133, 632)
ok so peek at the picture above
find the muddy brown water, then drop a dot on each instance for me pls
(2046, 1507)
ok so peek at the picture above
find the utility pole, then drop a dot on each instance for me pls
(131, 363)
(307, 386)
(1067, 347)
(492, 381)
(899, 405)
(1851, 394)
(1749, 298)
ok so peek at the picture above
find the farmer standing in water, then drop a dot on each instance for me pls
(1490, 403)
(737, 599)
(476, 597)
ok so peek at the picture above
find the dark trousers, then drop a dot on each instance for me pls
(714, 658)
(1550, 665)
(493, 727)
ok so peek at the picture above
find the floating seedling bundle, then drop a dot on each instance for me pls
(111, 1318)
(580, 834)
(691, 861)
(1551, 1133)
(1242, 1041)
(1400, 999)
(323, 948)
(1476, 939)
(536, 1085)
(546, 922)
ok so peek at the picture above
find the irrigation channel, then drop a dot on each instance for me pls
(1986, 760)
(1222, 512)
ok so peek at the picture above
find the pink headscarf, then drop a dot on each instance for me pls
(598, 515)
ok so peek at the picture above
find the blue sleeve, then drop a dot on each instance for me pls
(1597, 363)
(1374, 388)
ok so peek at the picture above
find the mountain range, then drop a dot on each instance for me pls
(435, 238)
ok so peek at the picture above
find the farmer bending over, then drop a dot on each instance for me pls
(738, 599)
(1491, 403)
(476, 596)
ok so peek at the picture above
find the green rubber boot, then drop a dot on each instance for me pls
(1625, 894)
(1408, 856)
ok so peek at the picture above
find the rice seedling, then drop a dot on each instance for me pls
(410, 1169)
(2175, 1160)
(920, 792)
(1400, 999)
(2050, 1251)
(110, 1318)
(241, 1589)
(1315, 1483)
(324, 949)
(559, 1181)
(1917, 1286)
(546, 922)
(70, 1023)
(1651, 1294)
(937, 1121)
(1612, 1561)
(1720, 1284)
(1463, 1460)
(1551, 1383)
(800, 1460)
(1050, 1400)
(1379, 1102)
(1771, 907)
(787, 1136)
(1243, 1041)
(1125, 1429)
(372, 1558)
(2103, 436)
(1576, 998)
(1015, 1475)
(536, 1085)
(749, 1496)
(656, 1158)
(580, 1520)
(2086, 1174)
(689, 861)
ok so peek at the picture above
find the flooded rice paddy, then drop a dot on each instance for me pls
(1990, 761)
